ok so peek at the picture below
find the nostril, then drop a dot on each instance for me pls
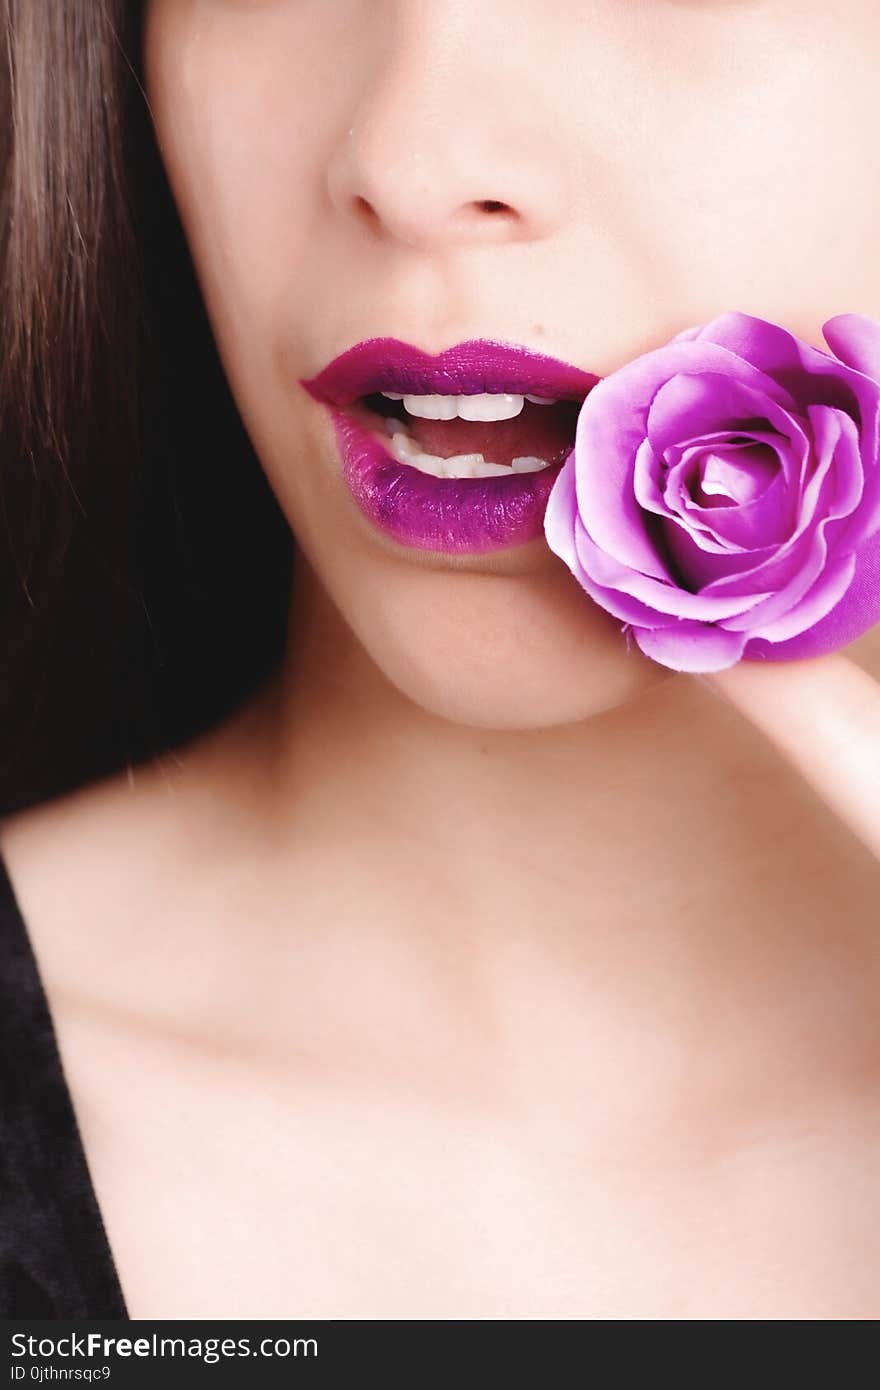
(418, 214)
(365, 209)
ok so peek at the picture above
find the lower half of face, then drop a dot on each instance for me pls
(484, 633)
(353, 171)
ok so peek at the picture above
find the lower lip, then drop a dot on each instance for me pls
(461, 516)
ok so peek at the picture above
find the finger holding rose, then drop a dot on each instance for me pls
(723, 502)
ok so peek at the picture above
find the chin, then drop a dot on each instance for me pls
(511, 653)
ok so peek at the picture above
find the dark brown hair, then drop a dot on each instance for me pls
(144, 563)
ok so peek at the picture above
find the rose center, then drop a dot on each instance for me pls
(733, 478)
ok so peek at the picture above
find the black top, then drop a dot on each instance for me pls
(55, 1259)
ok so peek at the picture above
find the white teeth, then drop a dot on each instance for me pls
(473, 466)
(428, 463)
(402, 446)
(489, 407)
(542, 400)
(528, 465)
(406, 450)
(486, 406)
(431, 407)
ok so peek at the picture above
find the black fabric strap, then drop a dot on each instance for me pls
(55, 1258)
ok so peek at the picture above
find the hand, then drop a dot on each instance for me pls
(824, 715)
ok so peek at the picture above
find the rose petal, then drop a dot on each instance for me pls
(848, 380)
(853, 614)
(828, 589)
(688, 334)
(647, 468)
(809, 374)
(855, 339)
(712, 438)
(835, 441)
(835, 434)
(767, 521)
(793, 573)
(691, 403)
(738, 476)
(560, 513)
(723, 477)
(814, 559)
(610, 429)
(667, 599)
(646, 471)
(691, 646)
(722, 531)
(833, 489)
(561, 524)
(792, 568)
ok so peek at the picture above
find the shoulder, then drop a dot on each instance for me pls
(120, 882)
(99, 872)
(125, 827)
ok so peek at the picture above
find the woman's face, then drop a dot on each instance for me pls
(338, 166)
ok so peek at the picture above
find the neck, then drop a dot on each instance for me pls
(569, 891)
(592, 828)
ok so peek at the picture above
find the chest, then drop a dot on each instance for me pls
(233, 1191)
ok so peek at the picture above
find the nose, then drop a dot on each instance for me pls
(449, 139)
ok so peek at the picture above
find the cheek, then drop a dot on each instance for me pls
(240, 156)
(757, 168)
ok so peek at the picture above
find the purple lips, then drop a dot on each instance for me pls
(387, 364)
(455, 515)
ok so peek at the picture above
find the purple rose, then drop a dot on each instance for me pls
(723, 494)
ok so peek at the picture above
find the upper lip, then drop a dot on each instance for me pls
(478, 365)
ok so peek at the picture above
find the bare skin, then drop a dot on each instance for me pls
(366, 1015)
(455, 977)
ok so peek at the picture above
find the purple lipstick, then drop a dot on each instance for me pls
(454, 453)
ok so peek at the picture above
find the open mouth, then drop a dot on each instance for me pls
(456, 451)
(479, 435)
